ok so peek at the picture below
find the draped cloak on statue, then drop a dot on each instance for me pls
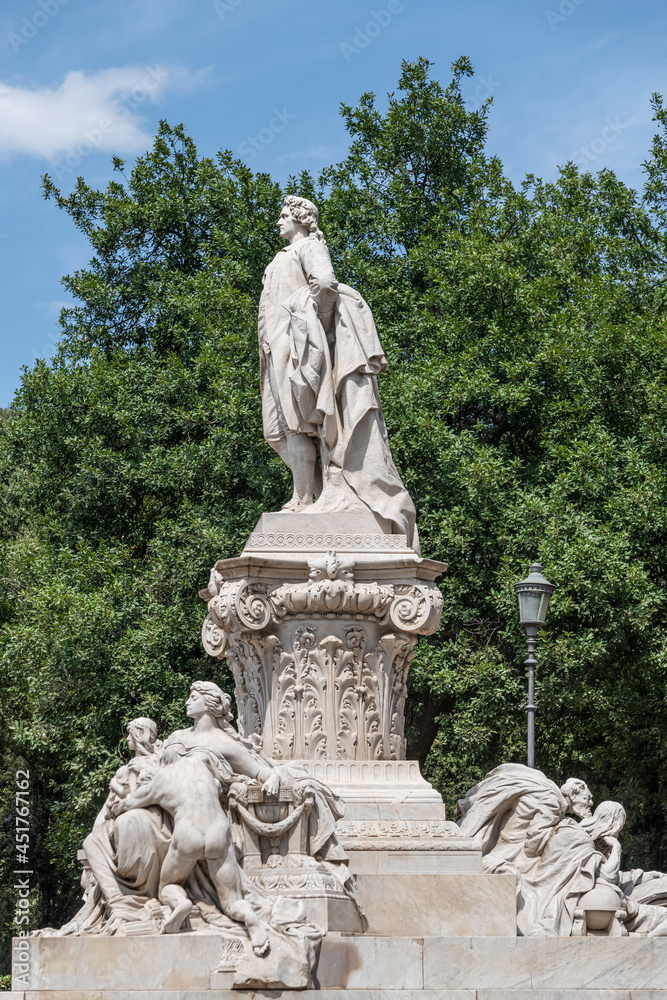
(519, 817)
(513, 811)
(323, 382)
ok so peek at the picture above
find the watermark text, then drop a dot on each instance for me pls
(32, 25)
(22, 873)
(364, 34)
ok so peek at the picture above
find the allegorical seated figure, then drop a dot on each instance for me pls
(162, 844)
(514, 810)
(319, 360)
(527, 827)
(187, 786)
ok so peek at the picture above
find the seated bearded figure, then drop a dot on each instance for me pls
(558, 850)
(514, 810)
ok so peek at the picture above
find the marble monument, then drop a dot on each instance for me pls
(299, 848)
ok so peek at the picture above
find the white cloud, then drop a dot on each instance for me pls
(104, 110)
(313, 153)
(54, 307)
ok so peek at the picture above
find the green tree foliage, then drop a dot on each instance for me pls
(527, 407)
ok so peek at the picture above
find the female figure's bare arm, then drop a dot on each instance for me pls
(142, 797)
(118, 788)
(609, 869)
(243, 762)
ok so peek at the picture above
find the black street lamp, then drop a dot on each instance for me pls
(534, 594)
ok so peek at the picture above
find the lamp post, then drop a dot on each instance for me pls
(534, 594)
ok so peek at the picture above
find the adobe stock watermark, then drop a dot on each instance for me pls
(565, 9)
(222, 7)
(252, 145)
(93, 138)
(364, 34)
(22, 873)
(32, 25)
(486, 88)
(587, 154)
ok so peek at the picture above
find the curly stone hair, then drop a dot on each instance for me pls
(305, 214)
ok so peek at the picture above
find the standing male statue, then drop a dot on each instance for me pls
(319, 358)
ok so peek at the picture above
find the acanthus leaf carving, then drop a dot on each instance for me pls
(326, 596)
(241, 605)
(346, 691)
(386, 668)
(331, 589)
(313, 689)
(328, 698)
(251, 659)
(404, 654)
(301, 692)
(372, 685)
(285, 704)
(335, 691)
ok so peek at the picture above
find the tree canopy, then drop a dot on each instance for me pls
(526, 401)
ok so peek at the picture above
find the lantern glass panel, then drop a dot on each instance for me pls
(533, 606)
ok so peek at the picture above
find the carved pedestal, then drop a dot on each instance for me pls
(318, 620)
(319, 629)
(278, 856)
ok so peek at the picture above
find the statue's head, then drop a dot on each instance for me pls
(578, 797)
(141, 735)
(207, 698)
(607, 821)
(299, 214)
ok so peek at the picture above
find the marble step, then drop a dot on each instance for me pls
(426, 904)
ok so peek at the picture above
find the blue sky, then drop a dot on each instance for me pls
(81, 80)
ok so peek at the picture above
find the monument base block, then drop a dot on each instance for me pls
(427, 905)
(367, 967)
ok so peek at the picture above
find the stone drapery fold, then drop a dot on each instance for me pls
(323, 382)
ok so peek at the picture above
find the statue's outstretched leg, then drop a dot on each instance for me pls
(175, 869)
(226, 877)
(176, 897)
